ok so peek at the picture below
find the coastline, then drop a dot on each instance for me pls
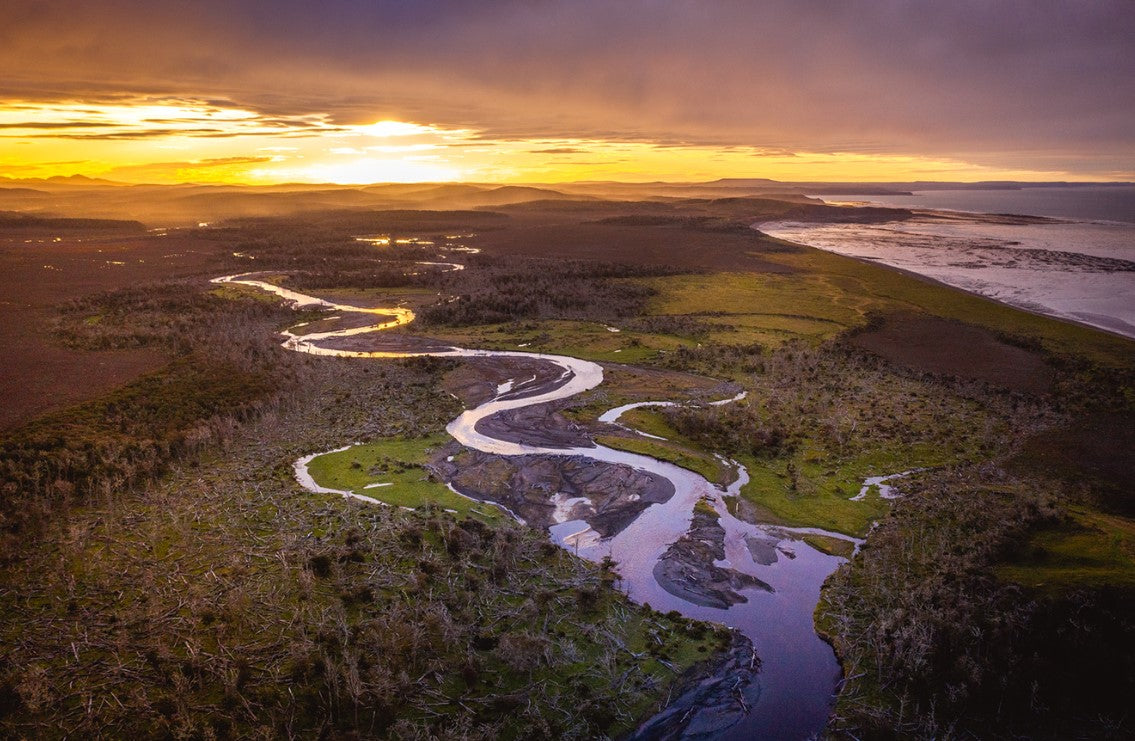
(1098, 202)
(756, 226)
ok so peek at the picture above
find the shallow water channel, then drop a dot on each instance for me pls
(792, 694)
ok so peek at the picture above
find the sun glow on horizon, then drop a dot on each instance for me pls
(171, 140)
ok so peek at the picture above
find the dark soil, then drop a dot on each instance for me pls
(681, 248)
(39, 374)
(1097, 452)
(475, 381)
(943, 347)
(539, 425)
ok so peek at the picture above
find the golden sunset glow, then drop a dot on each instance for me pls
(355, 92)
(176, 141)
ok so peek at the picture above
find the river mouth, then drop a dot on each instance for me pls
(684, 551)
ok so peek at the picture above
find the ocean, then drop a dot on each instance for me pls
(1077, 265)
(1085, 203)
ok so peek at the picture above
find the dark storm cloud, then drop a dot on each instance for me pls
(1011, 83)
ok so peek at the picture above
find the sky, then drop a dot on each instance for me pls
(351, 91)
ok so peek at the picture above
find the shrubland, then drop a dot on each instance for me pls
(225, 372)
(994, 596)
(493, 290)
(163, 574)
(937, 639)
(223, 601)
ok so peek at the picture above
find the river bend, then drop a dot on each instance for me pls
(792, 694)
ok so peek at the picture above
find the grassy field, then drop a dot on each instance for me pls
(822, 501)
(761, 307)
(876, 288)
(587, 340)
(648, 420)
(833, 293)
(807, 488)
(812, 486)
(825, 484)
(398, 464)
(1085, 549)
(700, 463)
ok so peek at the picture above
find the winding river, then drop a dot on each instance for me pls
(791, 696)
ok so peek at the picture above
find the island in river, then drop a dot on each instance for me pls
(456, 374)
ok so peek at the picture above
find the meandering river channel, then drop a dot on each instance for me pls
(791, 695)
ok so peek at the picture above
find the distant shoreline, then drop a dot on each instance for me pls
(938, 282)
(1088, 202)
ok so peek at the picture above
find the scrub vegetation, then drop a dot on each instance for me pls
(1000, 582)
(997, 590)
(225, 373)
(163, 574)
(225, 601)
(495, 290)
